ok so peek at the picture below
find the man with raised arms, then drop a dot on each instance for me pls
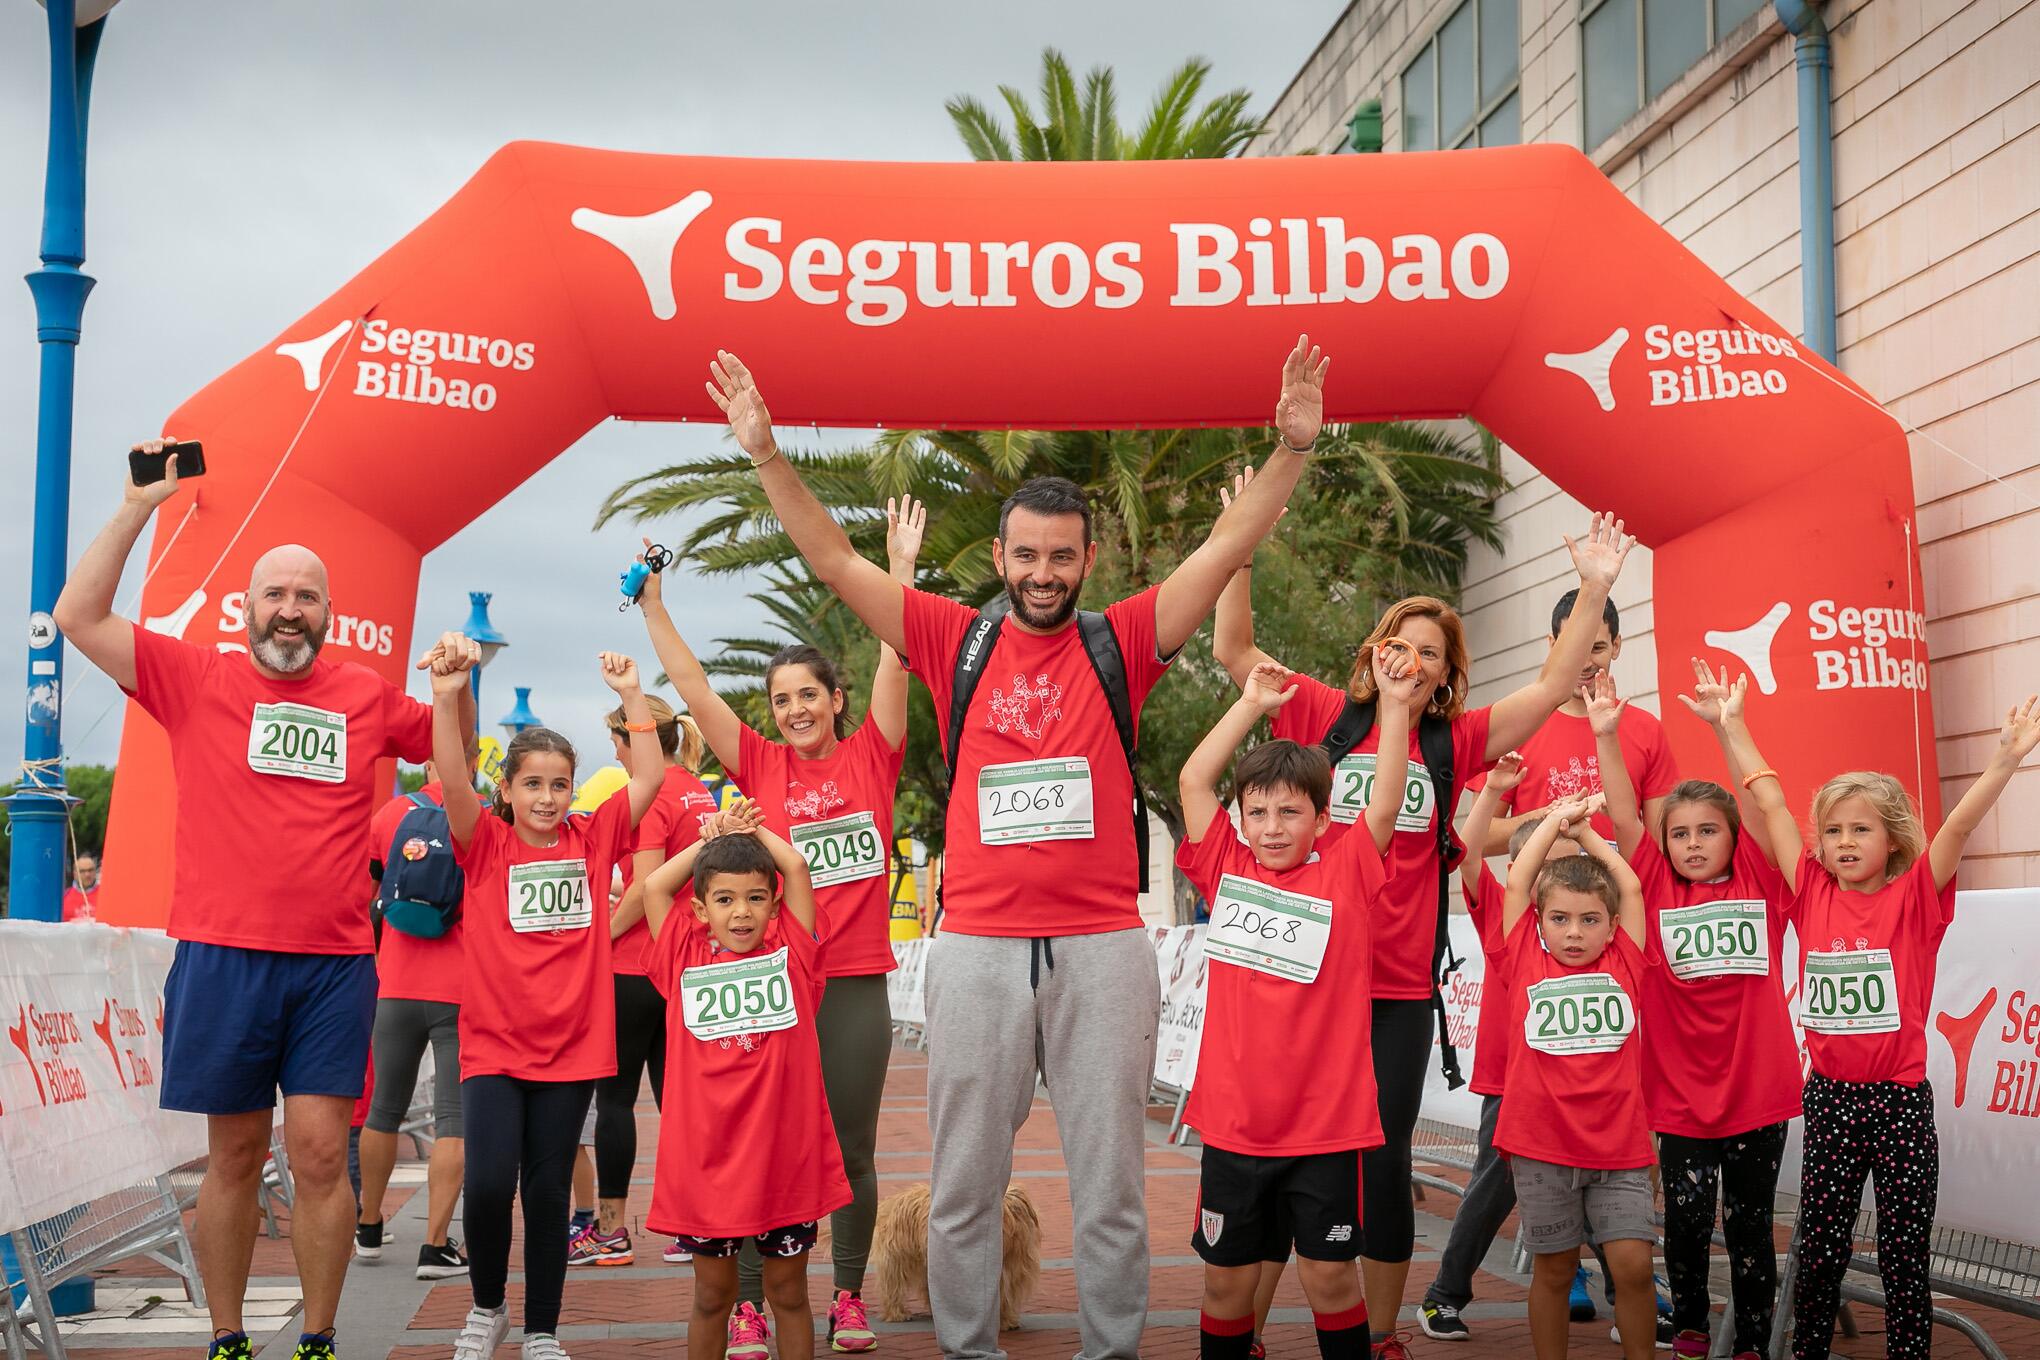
(1042, 964)
(273, 985)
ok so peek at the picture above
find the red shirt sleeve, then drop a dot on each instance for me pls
(1660, 771)
(1133, 623)
(662, 955)
(168, 672)
(1750, 864)
(1362, 861)
(1469, 750)
(485, 845)
(1484, 905)
(934, 627)
(1310, 715)
(1203, 861)
(750, 748)
(408, 724)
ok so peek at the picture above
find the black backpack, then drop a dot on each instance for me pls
(1106, 660)
(421, 896)
(1434, 740)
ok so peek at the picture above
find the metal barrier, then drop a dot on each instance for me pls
(143, 1220)
(1444, 1144)
(1988, 1271)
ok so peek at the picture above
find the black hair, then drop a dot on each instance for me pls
(1048, 496)
(531, 741)
(1562, 611)
(740, 855)
(824, 669)
(1286, 764)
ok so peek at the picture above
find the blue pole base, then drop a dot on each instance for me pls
(36, 820)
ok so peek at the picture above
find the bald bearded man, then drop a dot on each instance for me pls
(273, 986)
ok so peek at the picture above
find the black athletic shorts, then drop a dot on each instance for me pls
(1249, 1209)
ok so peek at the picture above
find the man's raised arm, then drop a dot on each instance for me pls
(84, 610)
(872, 595)
(1187, 597)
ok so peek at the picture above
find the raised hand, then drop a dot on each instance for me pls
(1598, 557)
(1714, 700)
(453, 654)
(2021, 731)
(654, 587)
(619, 672)
(1604, 707)
(1507, 773)
(906, 522)
(1269, 686)
(155, 493)
(1300, 410)
(1571, 815)
(736, 394)
(1397, 676)
(1240, 482)
(741, 817)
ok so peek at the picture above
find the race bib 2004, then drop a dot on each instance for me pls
(550, 895)
(298, 742)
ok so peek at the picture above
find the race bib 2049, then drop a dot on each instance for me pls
(842, 849)
(298, 742)
(744, 996)
(1584, 1013)
(550, 895)
(1353, 786)
(1715, 939)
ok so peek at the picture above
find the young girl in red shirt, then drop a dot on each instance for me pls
(1872, 902)
(536, 1020)
(1721, 1070)
(748, 1152)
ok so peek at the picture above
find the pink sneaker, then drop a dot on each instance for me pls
(1689, 1344)
(849, 1326)
(592, 1247)
(750, 1337)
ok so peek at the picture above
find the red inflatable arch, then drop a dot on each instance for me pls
(563, 285)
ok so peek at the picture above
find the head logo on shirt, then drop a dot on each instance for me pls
(1016, 711)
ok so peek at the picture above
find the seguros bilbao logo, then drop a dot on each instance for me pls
(2009, 1039)
(1686, 366)
(1861, 654)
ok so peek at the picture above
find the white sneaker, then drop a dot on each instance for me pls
(543, 1346)
(483, 1331)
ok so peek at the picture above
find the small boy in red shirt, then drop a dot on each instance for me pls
(1573, 1125)
(747, 1149)
(1291, 948)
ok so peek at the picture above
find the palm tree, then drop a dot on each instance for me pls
(1085, 127)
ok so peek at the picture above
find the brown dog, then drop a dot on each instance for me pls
(899, 1255)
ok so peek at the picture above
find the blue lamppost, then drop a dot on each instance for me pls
(520, 715)
(479, 629)
(40, 806)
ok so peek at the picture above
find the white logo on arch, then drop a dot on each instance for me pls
(648, 242)
(1593, 366)
(311, 354)
(1752, 645)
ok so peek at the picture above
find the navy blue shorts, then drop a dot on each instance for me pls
(238, 1024)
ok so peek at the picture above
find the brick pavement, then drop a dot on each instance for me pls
(640, 1310)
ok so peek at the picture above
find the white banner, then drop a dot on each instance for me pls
(83, 1008)
(1465, 991)
(1179, 958)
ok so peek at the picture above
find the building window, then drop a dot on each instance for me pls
(1632, 51)
(1461, 89)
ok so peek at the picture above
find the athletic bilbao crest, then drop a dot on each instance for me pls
(1213, 1225)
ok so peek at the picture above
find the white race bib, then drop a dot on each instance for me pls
(299, 742)
(1849, 992)
(1353, 785)
(550, 895)
(1282, 934)
(1035, 800)
(1715, 939)
(841, 850)
(745, 996)
(1584, 1013)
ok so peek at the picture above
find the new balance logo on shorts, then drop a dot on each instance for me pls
(1341, 1233)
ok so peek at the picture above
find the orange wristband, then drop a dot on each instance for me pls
(640, 727)
(1754, 775)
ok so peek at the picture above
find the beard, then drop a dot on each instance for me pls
(285, 657)
(1043, 619)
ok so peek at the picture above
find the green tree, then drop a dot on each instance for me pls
(92, 786)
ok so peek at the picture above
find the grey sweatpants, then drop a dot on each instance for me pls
(1082, 1010)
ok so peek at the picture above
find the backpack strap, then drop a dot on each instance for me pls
(1101, 647)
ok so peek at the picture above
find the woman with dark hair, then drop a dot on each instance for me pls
(828, 791)
(1405, 914)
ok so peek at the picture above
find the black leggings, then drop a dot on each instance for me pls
(521, 1136)
(640, 1043)
(1402, 1048)
(1884, 1132)
(1745, 1167)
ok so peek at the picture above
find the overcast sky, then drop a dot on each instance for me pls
(248, 158)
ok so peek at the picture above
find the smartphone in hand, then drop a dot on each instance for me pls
(150, 467)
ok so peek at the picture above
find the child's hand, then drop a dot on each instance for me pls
(1269, 686)
(653, 588)
(1571, 815)
(2022, 729)
(1507, 773)
(1604, 709)
(906, 522)
(449, 660)
(741, 818)
(1713, 700)
(1597, 805)
(1397, 676)
(619, 672)
(1240, 483)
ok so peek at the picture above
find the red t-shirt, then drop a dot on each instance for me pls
(842, 806)
(1491, 1041)
(1561, 761)
(1270, 1036)
(408, 967)
(276, 779)
(1576, 1098)
(1721, 1058)
(1037, 718)
(1867, 971)
(538, 1004)
(78, 905)
(747, 1144)
(674, 822)
(1406, 911)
